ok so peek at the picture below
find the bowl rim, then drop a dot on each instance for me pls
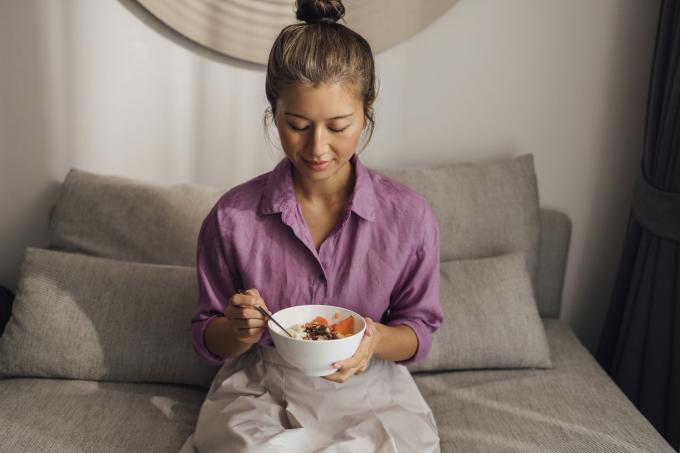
(270, 323)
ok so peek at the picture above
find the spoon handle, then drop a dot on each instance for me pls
(268, 316)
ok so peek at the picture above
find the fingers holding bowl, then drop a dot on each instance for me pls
(360, 360)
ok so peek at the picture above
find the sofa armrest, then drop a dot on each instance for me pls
(552, 261)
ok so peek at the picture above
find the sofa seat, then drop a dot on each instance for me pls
(573, 407)
(66, 416)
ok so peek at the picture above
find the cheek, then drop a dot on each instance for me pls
(350, 142)
(289, 139)
(352, 139)
(345, 144)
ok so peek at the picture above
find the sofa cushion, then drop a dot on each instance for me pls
(129, 220)
(84, 317)
(490, 317)
(572, 407)
(67, 416)
(483, 209)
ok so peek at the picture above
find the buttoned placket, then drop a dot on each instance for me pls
(328, 250)
(320, 284)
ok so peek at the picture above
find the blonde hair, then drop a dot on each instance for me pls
(319, 51)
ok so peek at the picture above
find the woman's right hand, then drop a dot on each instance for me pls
(244, 322)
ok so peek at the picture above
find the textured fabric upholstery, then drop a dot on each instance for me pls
(490, 317)
(552, 261)
(484, 209)
(573, 407)
(85, 317)
(129, 220)
(74, 416)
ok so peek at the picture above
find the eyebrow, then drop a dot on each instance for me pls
(339, 117)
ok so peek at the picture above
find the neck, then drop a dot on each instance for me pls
(334, 190)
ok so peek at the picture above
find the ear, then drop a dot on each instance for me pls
(273, 115)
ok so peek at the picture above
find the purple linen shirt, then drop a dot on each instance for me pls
(381, 260)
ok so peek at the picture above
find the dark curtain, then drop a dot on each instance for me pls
(6, 299)
(640, 343)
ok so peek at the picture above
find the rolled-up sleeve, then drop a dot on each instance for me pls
(415, 302)
(217, 281)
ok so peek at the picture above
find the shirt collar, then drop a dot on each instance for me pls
(279, 195)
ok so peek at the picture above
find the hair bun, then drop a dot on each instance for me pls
(319, 11)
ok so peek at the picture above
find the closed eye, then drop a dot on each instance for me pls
(300, 129)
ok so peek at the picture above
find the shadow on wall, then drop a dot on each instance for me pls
(38, 121)
(24, 135)
(159, 27)
(215, 148)
(618, 164)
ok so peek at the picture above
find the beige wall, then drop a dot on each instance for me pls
(85, 83)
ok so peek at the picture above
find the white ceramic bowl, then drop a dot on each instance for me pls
(314, 358)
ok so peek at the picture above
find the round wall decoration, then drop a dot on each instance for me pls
(246, 29)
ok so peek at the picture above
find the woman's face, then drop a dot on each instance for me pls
(319, 128)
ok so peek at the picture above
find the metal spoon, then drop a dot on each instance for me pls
(268, 316)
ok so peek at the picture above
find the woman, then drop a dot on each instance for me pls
(319, 229)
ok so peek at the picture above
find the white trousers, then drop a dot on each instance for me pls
(257, 403)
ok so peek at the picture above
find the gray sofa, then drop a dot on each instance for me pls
(104, 401)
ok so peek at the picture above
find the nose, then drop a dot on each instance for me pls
(318, 141)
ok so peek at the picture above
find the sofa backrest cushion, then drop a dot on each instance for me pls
(490, 317)
(483, 209)
(83, 317)
(130, 220)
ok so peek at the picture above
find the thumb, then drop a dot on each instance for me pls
(369, 326)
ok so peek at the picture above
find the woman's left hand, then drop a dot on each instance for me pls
(358, 363)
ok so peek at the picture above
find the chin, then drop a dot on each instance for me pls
(332, 166)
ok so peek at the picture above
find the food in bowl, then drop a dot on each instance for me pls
(316, 358)
(319, 329)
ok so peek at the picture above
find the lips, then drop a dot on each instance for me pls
(317, 165)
